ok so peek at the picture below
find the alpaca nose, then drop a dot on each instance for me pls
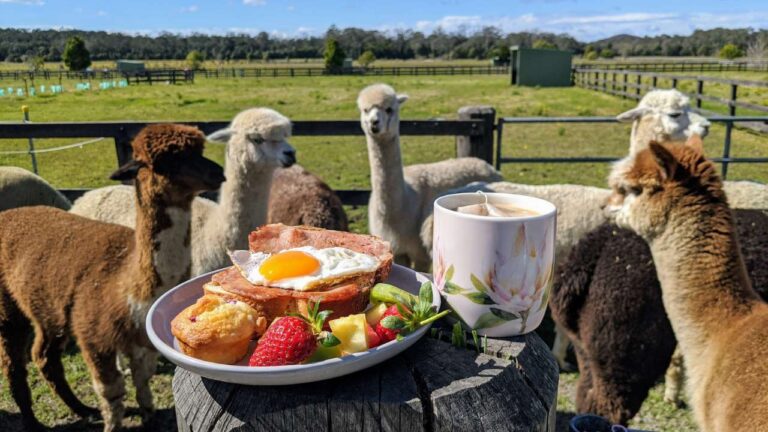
(289, 159)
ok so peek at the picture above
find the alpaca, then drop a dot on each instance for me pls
(663, 115)
(20, 188)
(62, 274)
(673, 198)
(608, 300)
(299, 197)
(256, 147)
(402, 197)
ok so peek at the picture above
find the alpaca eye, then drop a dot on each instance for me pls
(635, 190)
(675, 115)
(257, 139)
(365, 110)
(389, 110)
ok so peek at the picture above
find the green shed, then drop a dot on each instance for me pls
(130, 67)
(540, 67)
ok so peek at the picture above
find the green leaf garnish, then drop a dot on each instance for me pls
(393, 323)
(328, 339)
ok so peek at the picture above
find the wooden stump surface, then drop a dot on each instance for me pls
(433, 386)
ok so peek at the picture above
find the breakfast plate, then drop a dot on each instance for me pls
(175, 300)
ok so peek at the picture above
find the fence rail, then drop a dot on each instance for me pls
(476, 132)
(679, 66)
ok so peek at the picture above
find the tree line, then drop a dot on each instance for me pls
(20, 45)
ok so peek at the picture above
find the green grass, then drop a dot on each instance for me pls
(342, 162)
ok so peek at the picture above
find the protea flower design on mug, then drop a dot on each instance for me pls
(495, 272)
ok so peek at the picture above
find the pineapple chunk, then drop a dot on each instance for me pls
(351, 332)
(374, 314)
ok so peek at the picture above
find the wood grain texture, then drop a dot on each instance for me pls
(431, 387)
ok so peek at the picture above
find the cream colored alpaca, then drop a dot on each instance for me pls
(672, 196)
(19, 188)
(256, 146)
(402, 197)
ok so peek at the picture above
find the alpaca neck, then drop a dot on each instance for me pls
(387, 181)
(704, 282)
(243, 204)
(162, 243)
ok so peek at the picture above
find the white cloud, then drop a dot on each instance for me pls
(255, 2)
(620, 18)
(25, 2)
(190, 9)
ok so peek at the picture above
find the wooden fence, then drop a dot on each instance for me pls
(678, 66)
(309, 71)
(633, 84)
(474, 136)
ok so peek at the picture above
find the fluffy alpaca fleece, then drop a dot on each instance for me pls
(256, 147)
(402, 197)
(672, 196)
(608, 299)
(663, 115)
(62, 274)
(20, 188)
(299, 197)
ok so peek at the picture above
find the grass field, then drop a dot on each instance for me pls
(334, 98)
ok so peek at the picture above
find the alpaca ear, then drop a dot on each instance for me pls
(128, 171)
(695, 143)
(401, 98)
(632, 115)
(221, 136)
(664, 159)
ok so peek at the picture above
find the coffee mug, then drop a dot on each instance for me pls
(495, 272)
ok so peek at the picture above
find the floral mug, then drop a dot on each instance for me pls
(495, 272)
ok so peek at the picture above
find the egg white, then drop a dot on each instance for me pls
(334, 262)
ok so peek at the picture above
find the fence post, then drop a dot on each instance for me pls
(732, 102)
(32, 155)
(480, 146)
(638, 83)
(123, 147)
(727, 148)
(626, 77)
(699, 92)
(674, 83)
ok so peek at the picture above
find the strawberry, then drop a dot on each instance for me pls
(371, 336)
(292, 339)
(388, 334)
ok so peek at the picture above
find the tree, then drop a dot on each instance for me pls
(366, 58)
(333, 55)
(590, 55)
(195, 60)
(543, 44)
(758, 48)
(76, 56)
(607, 53)
(34, 62)
(730, 51)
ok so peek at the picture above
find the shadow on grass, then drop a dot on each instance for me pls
(163, 420)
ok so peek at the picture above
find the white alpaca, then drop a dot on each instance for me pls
(402, 197)
(663, 115)
(20, 188)
(256, 145)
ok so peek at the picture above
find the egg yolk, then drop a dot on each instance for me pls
(288, 264)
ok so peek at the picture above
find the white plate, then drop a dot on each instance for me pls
(174, 301)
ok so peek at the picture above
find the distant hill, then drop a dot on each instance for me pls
(17, 45)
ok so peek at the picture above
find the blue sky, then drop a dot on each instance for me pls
(586, 20)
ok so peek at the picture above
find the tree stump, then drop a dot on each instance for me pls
(433, 386)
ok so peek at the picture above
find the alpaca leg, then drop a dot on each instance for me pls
(14, 344)
(673, 380)
(109, 385)
(143, 362)
(46, 352)
(560, 349)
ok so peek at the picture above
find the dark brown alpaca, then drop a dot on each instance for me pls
(608, 299)
(672, 196)
(62, 275)
(300, 198)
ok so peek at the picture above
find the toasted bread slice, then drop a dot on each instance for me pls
(344, 296)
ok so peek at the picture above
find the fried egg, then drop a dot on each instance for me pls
(302, 268)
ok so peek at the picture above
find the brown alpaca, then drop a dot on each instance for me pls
(300, 198)
(62, 275)
(672, 196)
